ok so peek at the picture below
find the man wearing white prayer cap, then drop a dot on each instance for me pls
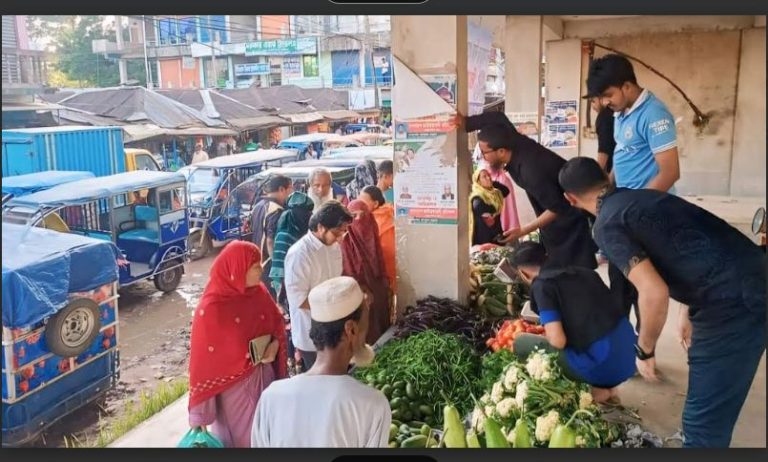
(325, 407)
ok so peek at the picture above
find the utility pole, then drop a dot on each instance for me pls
(120, 62)
(214, 79)
(373, 62)
(146, 58)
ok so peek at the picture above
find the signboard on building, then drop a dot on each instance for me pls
(292, 66)
(252, 69)
(282, 47)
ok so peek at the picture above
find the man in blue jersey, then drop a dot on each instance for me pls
(646, 154)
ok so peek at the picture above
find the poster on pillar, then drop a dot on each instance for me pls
(478, 59)
(562, 121)
(526, 123)
(425, 152)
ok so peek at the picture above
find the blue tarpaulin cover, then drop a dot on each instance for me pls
(41, 267)
(20, 185)
(85, 191)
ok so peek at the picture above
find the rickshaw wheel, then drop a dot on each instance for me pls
(72, 330)
(198, 245)
(168, 280)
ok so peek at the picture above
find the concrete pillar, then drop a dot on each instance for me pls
(433, 259)
(522, 52)
(121, 64)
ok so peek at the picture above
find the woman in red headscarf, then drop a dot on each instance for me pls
(225, 384)
(364, 261)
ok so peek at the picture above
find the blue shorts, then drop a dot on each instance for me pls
(609, 361)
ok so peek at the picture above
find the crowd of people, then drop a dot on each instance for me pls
(329, 268)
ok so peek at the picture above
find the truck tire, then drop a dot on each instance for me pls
(198, 245)
(167, 280)
(72, 330)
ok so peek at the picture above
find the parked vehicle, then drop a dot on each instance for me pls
(299, 173)
(370, 128)
(93, 149)
(361, 153)
(21, 185)
(369, 138)
(142, 212)
(209, 183)
(301, 143)
(59, 326)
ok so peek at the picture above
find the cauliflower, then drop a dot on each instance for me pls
(511, 378)
(538, 367)
(497, 393)
(521, 393)
(585, 400)
(478, 420)
(511, 436)
(485, 399)
(505, 406)
(546, 424)
(489, 410)
(581, 442)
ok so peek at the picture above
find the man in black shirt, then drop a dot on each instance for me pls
(669, 247)
(564, 229)
(604, 130)
(264, 218)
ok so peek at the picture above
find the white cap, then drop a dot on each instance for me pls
(335, 299)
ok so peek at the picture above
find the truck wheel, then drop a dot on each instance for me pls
(72, 330)
(198, 245)
(167, 280)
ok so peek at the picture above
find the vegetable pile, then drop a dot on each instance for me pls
(533, 405)
(447, 316)
(505, 337)
(412, 435)
(421, 372)
(490, 295)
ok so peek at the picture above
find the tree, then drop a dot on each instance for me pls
(70, 38)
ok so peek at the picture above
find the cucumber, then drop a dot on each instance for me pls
(393, 445)
(418, 441)
(416, 424)
(410, 390)
(394, 403)
(404, 428)
(414, 408)
(397, 393)
(387, 390)
(396, 415)
(400, 385)
(407, 415)
(396, 422)
(426, 410)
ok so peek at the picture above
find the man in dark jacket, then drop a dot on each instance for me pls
(564, 229)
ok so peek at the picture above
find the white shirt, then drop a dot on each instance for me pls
(199, 156)
(308, 263)
(321, 411)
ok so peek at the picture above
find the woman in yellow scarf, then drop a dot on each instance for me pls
(487, 202)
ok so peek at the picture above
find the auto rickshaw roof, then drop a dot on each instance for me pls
(85, 191)
(41, 267)
(246, 159)
(20, 185)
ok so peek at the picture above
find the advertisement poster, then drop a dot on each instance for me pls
(444, 85)
(282, 47)
(478, 59)
(425, 190)
(561, 112)
(525, 123)
(562, 136)
(292, 66)
(252, 69)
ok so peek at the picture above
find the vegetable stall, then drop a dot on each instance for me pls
(452, 379)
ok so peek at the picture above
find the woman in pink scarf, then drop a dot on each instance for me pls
(509, 218)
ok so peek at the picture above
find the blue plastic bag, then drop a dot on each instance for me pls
(199, 437)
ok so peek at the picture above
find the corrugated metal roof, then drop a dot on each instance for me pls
(137, 104)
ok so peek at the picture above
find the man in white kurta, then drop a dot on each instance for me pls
(325, 407)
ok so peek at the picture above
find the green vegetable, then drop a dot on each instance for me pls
(393, 444)
(522, 435)
(432, 443)
(393, 431)
(396, 415)
(394, 403)
(414, 407)
(400, 385)
(426, 430)
(387, 390)
(453, 429)
(563, 436)
(472, 440)
(494, 437)
(407, 415)
(426, 410)
(404, 428)
(409, 390)
(418, 441)
(416, 424)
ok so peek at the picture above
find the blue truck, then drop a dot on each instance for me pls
(98, 150)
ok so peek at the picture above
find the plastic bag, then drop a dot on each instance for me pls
(199, 438)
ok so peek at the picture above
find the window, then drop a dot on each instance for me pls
(172, 31)
(311, 68)
(145, 162)
(209, 25)
(171, 200)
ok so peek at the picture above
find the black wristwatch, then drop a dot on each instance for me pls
(642, 355)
